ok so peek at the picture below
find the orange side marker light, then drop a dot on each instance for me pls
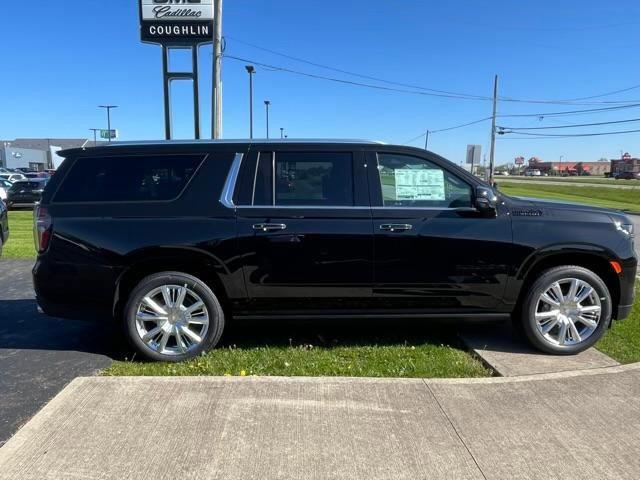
(616, 266)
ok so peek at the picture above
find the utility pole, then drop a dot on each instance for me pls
(493, 130)
(95, 135)
(426, 141)
(266, 104)
(561, 157)
(108, 108)
(216, 108)
(250, 70)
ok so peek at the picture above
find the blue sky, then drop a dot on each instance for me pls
(60, 59)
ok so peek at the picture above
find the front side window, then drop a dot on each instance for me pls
(408, 181)
(304, 179)
(128, 178)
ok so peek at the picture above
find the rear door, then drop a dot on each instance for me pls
(434, 252)
(305, 230)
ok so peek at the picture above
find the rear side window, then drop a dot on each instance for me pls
(128, 178)
(304, 179)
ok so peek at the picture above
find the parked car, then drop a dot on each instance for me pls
(31, 175)
(25, 193)
(532, 173)
(198, 233)
(628, 176)
(4, 226)
(12, 177)
(5, 185)
(504, 173)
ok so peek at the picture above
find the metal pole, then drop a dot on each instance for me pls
(493, 130)
(426, 141)
(216, 111)
(281, 132)
(561, 164)
(250, 71)
(109, 122)
(196, 91)
(167, 97)
(95, 137)
(266, 104)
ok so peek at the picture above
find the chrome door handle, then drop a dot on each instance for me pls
(269, 227)
(396, 227)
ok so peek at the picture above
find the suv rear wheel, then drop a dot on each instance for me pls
(566, 310)
(173, 316)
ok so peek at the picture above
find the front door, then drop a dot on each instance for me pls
(433, 252)
(305, 231)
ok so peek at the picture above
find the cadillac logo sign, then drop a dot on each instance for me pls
(176, 22)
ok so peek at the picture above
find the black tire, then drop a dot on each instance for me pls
(148, 284)
(544, 281)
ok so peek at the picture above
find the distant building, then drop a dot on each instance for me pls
(625, 164)
(569, 167)
(36, 153)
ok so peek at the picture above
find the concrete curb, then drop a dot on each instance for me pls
(342, 380)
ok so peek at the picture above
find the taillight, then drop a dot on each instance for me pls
(43, 224)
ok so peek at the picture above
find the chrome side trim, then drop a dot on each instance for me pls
(351, 207)
(230, 185)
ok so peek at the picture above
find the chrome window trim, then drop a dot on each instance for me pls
(230, 184)
(346, 207)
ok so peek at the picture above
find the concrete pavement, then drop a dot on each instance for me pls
(582, 426)
(39, 355)
(510, 355)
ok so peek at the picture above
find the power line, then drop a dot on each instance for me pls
(347, 82)
(567, 135)
(571, 112)
(448, 128)
(569, 126)
(354, 74)
(423, 90)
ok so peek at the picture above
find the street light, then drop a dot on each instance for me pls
(561, 157)
(108, 108)
(250, 70)
(281, 132)
(266, 104)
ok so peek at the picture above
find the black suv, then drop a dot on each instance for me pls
(172, 239)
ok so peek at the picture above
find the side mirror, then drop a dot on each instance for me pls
(486, 200)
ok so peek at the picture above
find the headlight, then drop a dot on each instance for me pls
(626, 228)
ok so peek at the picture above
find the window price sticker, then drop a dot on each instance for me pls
(419, 184)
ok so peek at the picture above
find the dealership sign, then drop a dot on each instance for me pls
(176, 22)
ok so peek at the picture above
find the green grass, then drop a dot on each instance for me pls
(618, 198)
(20, 244)
(570, 180)
(622, 341)
(391, 348)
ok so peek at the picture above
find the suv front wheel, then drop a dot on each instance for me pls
(173, 316)
(566, 310)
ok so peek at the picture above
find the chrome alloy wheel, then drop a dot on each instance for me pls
(568, 312)
(172, 320)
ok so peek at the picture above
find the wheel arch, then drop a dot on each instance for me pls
(206, 267)
(595, 259)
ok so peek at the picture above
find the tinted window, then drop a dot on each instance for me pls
(128, 178)
(263, 181)
(408, 181)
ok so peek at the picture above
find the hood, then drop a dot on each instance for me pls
(551, 205)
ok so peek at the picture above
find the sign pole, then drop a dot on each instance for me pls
(167, 94)
(196, 93)
(216, 107)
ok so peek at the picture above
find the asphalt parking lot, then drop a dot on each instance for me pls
(39, 355)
